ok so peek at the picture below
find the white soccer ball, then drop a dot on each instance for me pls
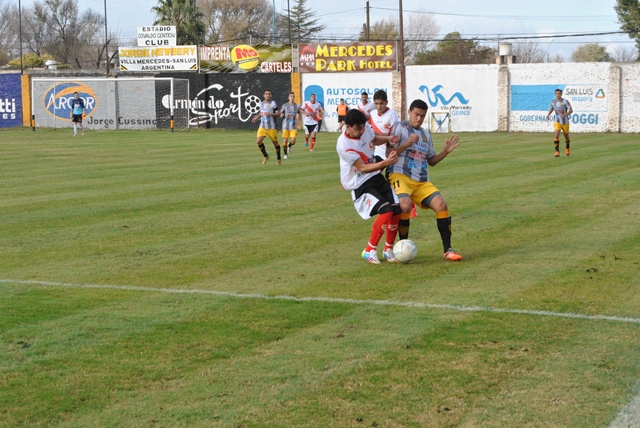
(405, 251)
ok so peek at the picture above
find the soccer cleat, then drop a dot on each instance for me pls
(278, 162)
(557, 154)
(452, 255)
(83, 134)
(568, 152)
(311, 150)
(388, 255)
(371, 256)
(306, 143)
(286, 157)
(264, 161)
(414, 212)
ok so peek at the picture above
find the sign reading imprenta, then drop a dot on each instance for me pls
(157, 35)
(177, 58)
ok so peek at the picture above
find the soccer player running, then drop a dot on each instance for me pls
(410, 175)
(370, 192)
(312, 112)
(342, 110)
(78, 111)
(382, 119)
(364, 105)
(289, 114)
(563, 109)
(267, 115)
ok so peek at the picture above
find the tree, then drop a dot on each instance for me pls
(629, 17)
(418, 33)
(591, 52)
(8, 31)
(186, 17)
(453, 49)
(621, 54)
(246, 21)
(527, 52)
(386, 29)
(302, 22)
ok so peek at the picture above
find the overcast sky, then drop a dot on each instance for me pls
(482, 19)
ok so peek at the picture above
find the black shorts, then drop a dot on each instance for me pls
(311, 128)
(342, 118)
(76, 118)
(379, 187)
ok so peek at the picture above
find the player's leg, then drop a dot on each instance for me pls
(402, 185)
(285, 142)
(567, 140)
(74, 120)
(313, 138)
(273, 136)
(436, 202)
(260, 143)
(81, 124)
(556, 138)
(307, 132)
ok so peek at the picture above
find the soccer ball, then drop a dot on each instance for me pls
(405, 251)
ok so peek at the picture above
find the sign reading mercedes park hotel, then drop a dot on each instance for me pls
(340, 57)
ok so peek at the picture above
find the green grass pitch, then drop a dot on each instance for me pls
(157, 279)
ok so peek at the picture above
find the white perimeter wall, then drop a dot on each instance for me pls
(468, 92)
(630, 97)
(330, 87)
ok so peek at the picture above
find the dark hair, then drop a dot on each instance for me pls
(365, 93)
(341, 99)
(558, 90)
(355, 117)
(419, 104)
(380, 95)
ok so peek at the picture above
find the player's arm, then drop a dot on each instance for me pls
(449, 145)
(413, 138)
(383, 139)
(376, 166)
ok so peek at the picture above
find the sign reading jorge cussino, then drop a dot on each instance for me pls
(344, 57)
(176, 58)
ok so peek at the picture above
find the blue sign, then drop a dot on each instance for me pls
(10, 100)
(533, 97)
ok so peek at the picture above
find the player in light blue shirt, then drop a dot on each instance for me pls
(562, 109)
(78, 111)
(267, 117)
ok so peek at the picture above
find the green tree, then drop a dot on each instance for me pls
(386, 29)
(629, 17)
(248, 21)
(30, 60)
(186, 17)
(453, 49)
(591, 52)
(302, 23)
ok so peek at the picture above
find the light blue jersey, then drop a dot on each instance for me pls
(268, 122)
(413, 161)
(290, 111)
(561, 106)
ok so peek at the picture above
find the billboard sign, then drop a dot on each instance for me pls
(157, 36)
(348, 57)
(176, 58)
(246, 59)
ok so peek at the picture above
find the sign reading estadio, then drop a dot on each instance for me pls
(157, 35)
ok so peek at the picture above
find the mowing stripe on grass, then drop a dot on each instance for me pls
(333, 300)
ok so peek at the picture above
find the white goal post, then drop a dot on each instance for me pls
(440, 122)
(112, 103)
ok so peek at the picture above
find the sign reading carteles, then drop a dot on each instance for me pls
(160, 35)
(341, 57)
(246, 59)
(177, 58)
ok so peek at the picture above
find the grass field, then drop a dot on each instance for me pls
(156, 279)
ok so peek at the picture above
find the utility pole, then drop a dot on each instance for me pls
(367, 29)
(106, 43)
(403, 84)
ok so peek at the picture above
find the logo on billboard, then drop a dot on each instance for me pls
(246, 57)
(57, 99)
(439, 98)
(308, 56)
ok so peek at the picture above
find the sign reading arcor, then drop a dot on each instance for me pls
(341, 57)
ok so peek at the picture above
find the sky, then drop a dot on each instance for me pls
(482, 19)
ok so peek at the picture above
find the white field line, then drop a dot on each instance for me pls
(409, 304)
(629, 416)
